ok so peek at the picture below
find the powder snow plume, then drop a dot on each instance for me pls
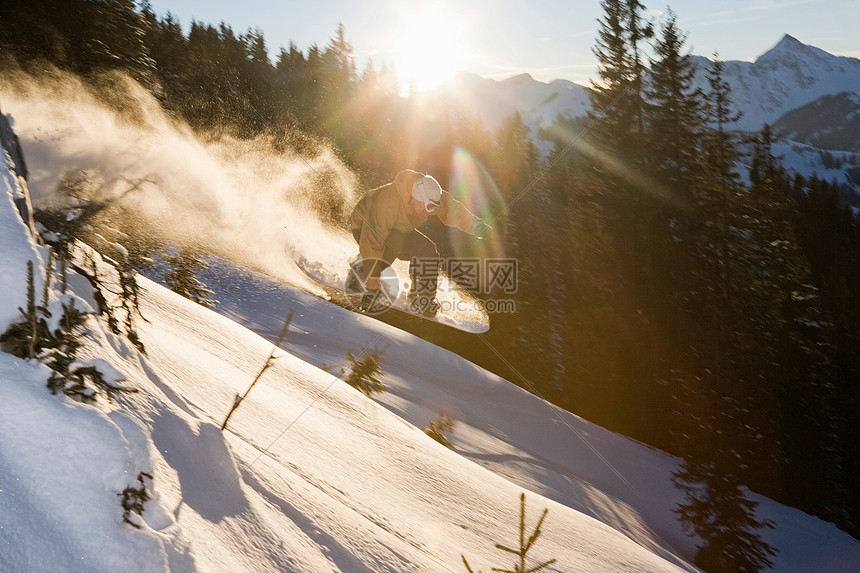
(240, 199)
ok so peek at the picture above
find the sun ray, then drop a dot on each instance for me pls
(472, 183)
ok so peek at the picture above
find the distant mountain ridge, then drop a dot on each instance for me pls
(540, 103)
(809, 96)
(830, 122)
(786, 77)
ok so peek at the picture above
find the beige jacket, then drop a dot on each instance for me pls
(386, 208)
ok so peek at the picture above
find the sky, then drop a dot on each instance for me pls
(429, 41)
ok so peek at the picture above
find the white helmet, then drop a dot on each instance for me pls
(428, 191)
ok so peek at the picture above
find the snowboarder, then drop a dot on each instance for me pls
(385, 225)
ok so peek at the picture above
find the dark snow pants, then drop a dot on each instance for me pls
(422, 254)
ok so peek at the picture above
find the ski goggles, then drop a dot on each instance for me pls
(429, 204)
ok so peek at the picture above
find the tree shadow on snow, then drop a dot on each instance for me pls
(208, 475)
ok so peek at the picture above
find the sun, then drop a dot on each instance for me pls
(429, 51)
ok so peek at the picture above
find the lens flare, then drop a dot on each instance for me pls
(473, 185)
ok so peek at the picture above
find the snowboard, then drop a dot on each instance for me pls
(457, 308)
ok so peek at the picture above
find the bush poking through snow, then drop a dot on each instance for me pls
(28, 337)
(437, 428)
(182, 276)
(525, 545)
(363, 372)
(78, 380)
(34, 336)
(71, 219)
(62, 353)
(133, 499)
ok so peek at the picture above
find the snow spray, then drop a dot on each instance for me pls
(257, 202)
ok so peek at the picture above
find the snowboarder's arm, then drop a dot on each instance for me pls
(455, 214)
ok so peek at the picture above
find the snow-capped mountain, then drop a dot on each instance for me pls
(831, 122)
(788, 76)
(809, 96)
(539, 103)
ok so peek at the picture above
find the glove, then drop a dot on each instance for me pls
(483, 230)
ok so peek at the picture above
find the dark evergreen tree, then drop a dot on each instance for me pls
(251, 97)
(794, 338)
(35, 30)
(182, 276)
(674, 110)
(618, 99)
(514, 159)
(364, 371)
(640, 30)
(720, 514)
(169, 50)
(611, 98)
(80, 35)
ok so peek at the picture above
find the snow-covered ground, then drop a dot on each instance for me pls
(311, 475)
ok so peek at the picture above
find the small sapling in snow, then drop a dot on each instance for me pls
(526, 543)
(364, 371)
(437, 429)
(133, 499)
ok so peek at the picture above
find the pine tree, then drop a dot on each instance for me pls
(514, 159)
(719, 513)
(640, 30)
(168, 48)
(713, 223)
(364, 371)
(617, 100)
(84, 36)
(257, 89)
(525, 545)
(794, 338)
(617, 137)
(182, 276)
(610, 101)
(716, 508)
(674, 109)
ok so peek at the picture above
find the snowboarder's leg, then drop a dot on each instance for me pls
(424, 264)
(359, 269)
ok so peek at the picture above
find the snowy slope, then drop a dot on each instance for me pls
(311, 475)
(829, 122)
